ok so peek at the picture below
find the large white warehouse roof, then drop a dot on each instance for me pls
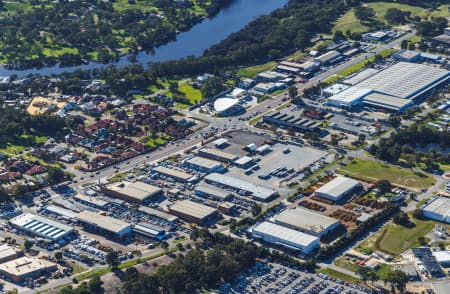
(277, 234)
(336, 188)
(224, 104)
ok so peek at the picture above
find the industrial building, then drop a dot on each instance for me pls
(255, 191)
(438, 209)
(337, 188)
(18, 270)
(328, 58)
(136, 192)
(306, 221)
(217, 155)
(91, 201)
(159, 214)
(40, 226)
(204, 165)
(209, 191)
(105, 225)
(285, 237)
(193, 212)
(8, 253)
(289, 119)
(403, 80)
(177, 175)
(149, 230)
(225, 106)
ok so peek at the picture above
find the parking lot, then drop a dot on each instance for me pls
(276, 278)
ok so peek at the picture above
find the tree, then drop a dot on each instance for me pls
(27, 245)
(58, 256)
(164, 245)
(397, 279)
(363, 273)
(212, 87)
(256, 209)
(95, 285)
(384, 186)
(55, 175)
(364, 13)
(404, 44)
(396, 16)
(292, 92)
(402, 219)
(112, 259)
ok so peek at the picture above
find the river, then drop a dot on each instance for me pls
(191, 43)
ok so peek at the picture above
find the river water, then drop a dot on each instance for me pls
(191, 43)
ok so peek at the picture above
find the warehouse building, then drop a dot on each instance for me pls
(217, 155)
(149, 230)
(36, 225)
(193, 212)
(105, 225)
(159, 214)
(307, 221)
(136, 192)
(8, 253)
(177, 175)
(290, 119)
(209, 191)
(328, 58)
(255, 191)
(403, 80)
(204, 165)
(438, 209)
(285, 237)
(91, 201)
(21, 269)
(338, 188)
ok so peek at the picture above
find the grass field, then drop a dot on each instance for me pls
(349, 22)
(194, 95)
(373, 171)
(338, 275)
(388, 239)
(252, 71)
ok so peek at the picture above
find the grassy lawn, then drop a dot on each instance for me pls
(342, 262)
(77, 269)
(360, 65)
(194, 95)
(12, 149)
(252, 71)
(155, 142)
(422, 202)
(338, 275)
(388, 239)
(93, 273)
(373, 171)
(349, 22)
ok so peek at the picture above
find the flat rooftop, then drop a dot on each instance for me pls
(204, 162)
(158, 213)
(41, 226)
(25, 265)
(192, 208)
(404, 79)
(213, 190)
(106, 223)
(284, 233)
(257, 191)
(136, 190)
(382, 100)
(360, 76)
(305, 219)
(218, 153)
(173, 173)
(338, 186)
(440, 205)
(7, 251)
(92, 200)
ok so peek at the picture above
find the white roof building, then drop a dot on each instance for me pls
(337, 188)
(306, 221)
(288, 238)
(40, 226)
(438, 209)
(403, 80)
